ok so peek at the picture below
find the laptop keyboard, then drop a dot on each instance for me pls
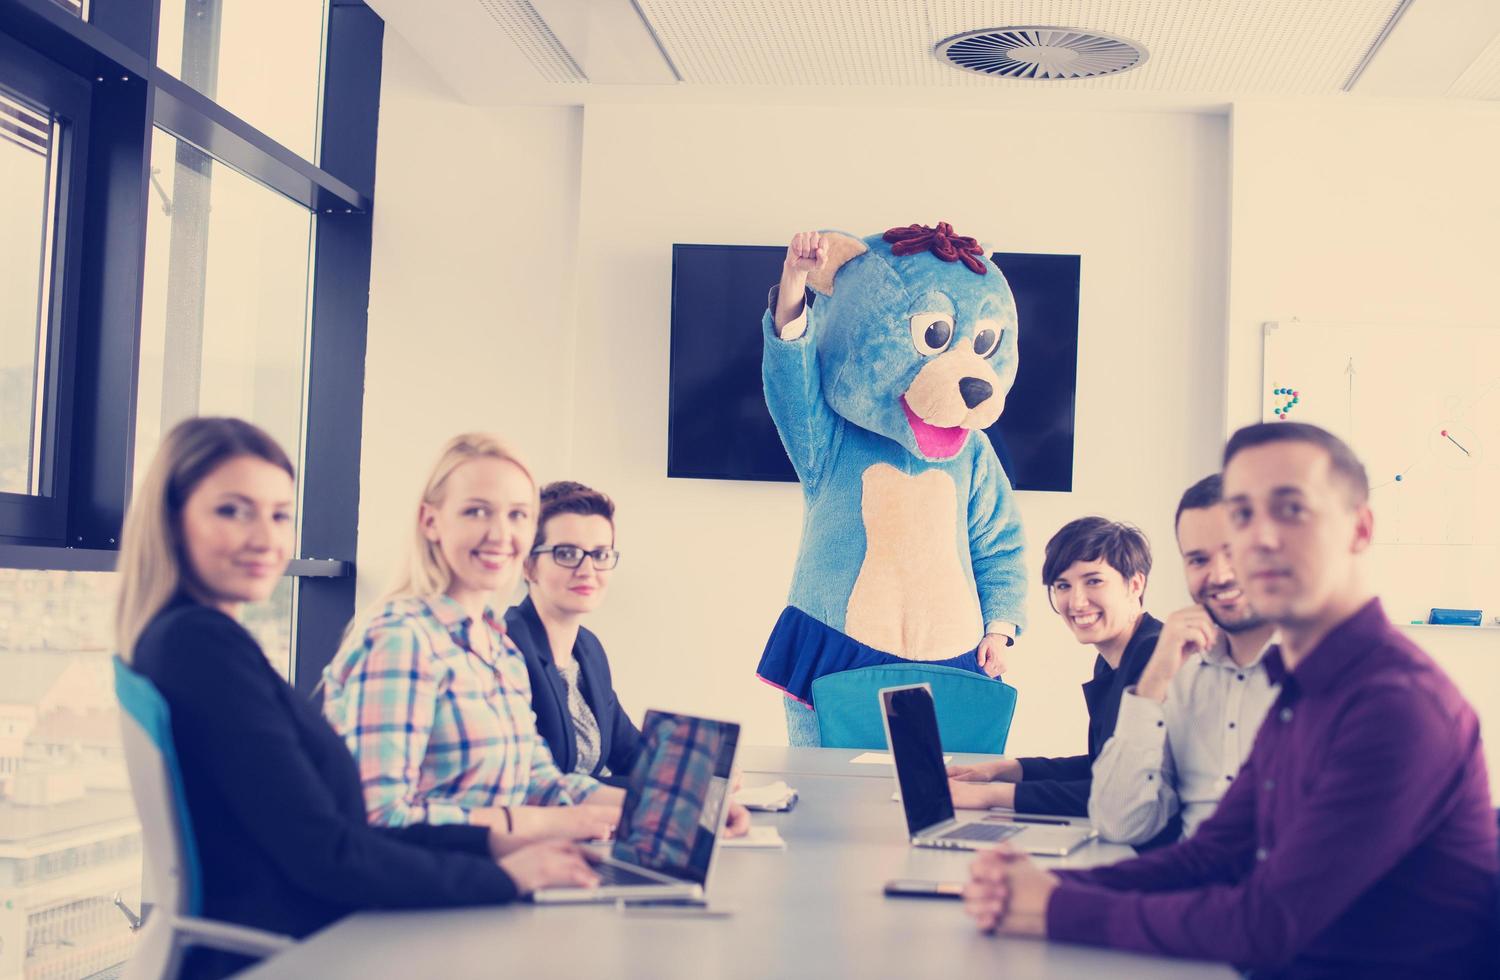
(983, 831)
(613, 874)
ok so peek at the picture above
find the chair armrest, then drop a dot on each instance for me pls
(231, 938)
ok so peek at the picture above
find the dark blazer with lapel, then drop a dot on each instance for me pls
(1062, 785)
(619, 739)
(274, 797)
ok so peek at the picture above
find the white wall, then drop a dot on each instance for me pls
(464, 297)
(540, 306)
(1141, 196)
(1358, 212)
(470, 295)
(1354, 212)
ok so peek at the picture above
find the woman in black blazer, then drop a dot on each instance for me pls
(272, 793)
(572, 692)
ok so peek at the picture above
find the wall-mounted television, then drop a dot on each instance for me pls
(718, 427)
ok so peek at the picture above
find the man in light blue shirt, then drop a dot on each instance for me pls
(1187, 726)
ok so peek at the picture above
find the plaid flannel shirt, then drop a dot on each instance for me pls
(436, 728)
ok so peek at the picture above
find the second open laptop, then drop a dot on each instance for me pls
(911, 729)
(672, 817)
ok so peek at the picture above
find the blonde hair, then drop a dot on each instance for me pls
(153, 564)
(425, 571)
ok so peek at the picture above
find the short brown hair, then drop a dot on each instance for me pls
(1207, 492)
(1341, 458)
(568, 497)
(1122, 546)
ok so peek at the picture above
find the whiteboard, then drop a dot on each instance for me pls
(1421, 408)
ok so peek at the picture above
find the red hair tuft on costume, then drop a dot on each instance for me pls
(940, 241)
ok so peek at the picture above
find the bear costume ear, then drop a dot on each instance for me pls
(841, 248)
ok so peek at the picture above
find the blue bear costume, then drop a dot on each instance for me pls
(911, 545)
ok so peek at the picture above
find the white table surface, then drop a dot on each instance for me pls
(814, 909)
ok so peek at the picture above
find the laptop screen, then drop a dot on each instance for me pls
(678, 791)
(911, 720)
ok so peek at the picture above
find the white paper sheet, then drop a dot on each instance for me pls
(882, 759)
(759, 836)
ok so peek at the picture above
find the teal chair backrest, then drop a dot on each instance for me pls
(172, 880)
(974, 712)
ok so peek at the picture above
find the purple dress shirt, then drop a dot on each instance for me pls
(1358, 840)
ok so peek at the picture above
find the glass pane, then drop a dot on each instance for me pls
(224, 310)
(69, 839)
(260, 59)
(28, 197)
(273, 625)
(78, 8)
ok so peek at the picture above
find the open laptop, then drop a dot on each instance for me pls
(911, 729)
(672, 818)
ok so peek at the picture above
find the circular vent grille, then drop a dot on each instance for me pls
(1040, 52)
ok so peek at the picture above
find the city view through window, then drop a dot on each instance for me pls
(69, 839)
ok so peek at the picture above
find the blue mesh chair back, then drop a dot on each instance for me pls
(974, 712)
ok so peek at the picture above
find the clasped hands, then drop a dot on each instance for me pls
(1008, 893)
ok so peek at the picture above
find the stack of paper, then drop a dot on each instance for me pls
(775, 796)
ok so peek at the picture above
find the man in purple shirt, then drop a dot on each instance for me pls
(1358, 839)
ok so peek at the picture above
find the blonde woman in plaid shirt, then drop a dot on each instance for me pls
(428, 692)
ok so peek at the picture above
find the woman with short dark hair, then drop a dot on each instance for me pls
(1095, 571)
(572, 692)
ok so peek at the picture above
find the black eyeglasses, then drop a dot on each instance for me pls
(571, 556)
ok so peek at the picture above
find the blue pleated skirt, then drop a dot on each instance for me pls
(801, 649)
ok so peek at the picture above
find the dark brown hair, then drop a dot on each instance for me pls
(1122, 546)
(568, 497)
(1207, 492)
(1341, 458)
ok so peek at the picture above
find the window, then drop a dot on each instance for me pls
(69, 839)
(224, 310)
(29, 144)
(219, 47)
(66, 815)
(110, 333)
(44, 122)
(273, 623)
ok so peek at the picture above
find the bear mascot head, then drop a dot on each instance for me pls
(917, 336)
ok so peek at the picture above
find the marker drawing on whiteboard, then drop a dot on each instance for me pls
(1445, 435)
(1349, 370)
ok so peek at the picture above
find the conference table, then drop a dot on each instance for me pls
(813, 909)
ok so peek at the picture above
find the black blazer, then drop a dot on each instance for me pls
(274, 797)
(619, 739)
(1062, 785)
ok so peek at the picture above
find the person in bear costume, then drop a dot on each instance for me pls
(884, 357)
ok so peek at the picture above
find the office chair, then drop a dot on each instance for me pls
(974, 712)
(173, 878)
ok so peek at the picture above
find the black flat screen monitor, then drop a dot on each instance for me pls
(718, 427)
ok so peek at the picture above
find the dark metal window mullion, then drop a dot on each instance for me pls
(40, 516)
(336, 354)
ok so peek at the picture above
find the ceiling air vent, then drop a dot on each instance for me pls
(1040, 53)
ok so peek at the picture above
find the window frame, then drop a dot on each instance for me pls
(42, 517)
(109, 63)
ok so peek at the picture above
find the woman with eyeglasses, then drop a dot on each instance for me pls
(567, 574)
(277, 815)
(429, 691)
